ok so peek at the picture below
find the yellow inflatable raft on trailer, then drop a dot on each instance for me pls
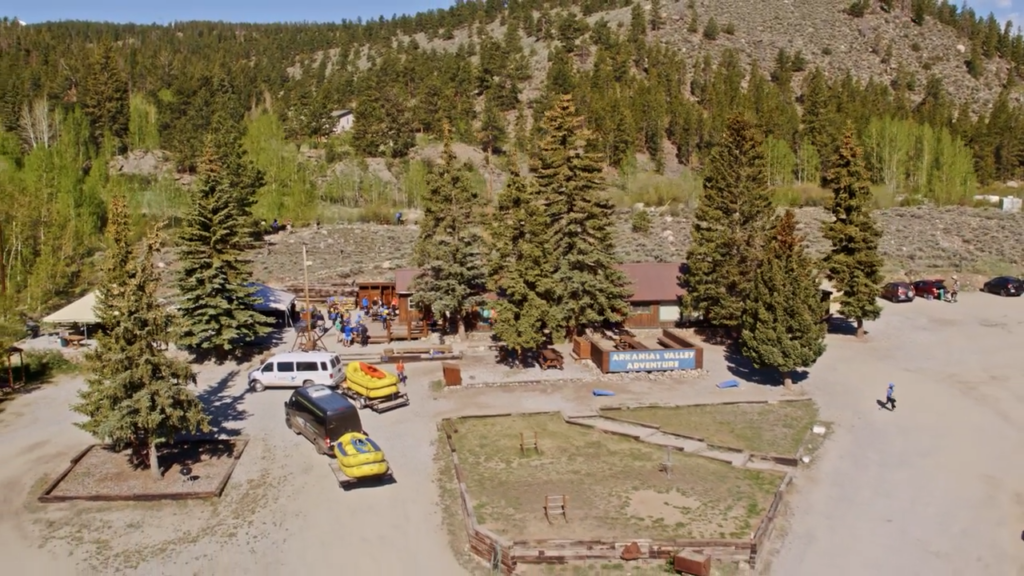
(370, 381)
(356, 449)
(365, 471)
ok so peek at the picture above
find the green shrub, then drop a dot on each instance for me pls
(39, 365)
(858, 8)
(641, 222)
(711, 29)
(376, 214)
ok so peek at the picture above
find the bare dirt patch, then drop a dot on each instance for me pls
(762, 428)
(108, 474)
(613, 485)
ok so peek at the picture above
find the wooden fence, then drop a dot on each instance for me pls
(497, 551)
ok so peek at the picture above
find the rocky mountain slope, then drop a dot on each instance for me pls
(878, 45)
(916, 241)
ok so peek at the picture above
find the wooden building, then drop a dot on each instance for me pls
(654, 302)
(383, 291)
(479, 321)
(411, 323)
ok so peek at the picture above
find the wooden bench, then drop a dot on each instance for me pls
(551, 358)
(666, 343)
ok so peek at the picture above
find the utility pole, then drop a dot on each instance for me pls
(305, 340)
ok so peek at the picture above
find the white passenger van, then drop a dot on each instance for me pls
(298, 369)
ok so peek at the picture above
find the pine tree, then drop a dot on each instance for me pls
(656, 19)
(586, 288)
(519, 265)
(782, 326)
(493, 132)
(448, 251)
(217, 303)
(106, 97)
(854, 265)
(136, 395)
(731, 225)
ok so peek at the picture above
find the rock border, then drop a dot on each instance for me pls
(499, 552)
(47, 496)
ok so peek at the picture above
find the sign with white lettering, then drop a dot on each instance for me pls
(652, 360)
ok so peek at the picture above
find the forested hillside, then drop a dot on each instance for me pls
(930, 89)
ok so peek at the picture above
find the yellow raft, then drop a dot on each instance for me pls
(365, 470)
(370, 381)
(356, 449)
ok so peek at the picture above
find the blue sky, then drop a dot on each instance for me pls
(277, 10)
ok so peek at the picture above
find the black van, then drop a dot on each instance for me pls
(321, 415)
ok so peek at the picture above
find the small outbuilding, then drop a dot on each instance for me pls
(654, 302)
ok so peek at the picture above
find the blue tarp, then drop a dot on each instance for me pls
(599, 392)
(729, 384)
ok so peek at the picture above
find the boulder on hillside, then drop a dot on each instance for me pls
(143, 163)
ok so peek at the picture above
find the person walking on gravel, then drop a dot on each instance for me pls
(890, 398)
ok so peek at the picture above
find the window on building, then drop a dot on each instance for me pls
(635, 309)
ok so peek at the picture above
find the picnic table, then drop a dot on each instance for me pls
(75, 340)
(551, 358)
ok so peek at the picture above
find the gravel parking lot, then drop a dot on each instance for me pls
(932, 488)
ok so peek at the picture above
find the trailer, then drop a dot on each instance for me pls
(346, 482)
(378, 405)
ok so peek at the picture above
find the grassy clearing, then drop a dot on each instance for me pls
(763, 428)
(623, 495)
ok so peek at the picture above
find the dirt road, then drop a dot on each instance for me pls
(932, 488)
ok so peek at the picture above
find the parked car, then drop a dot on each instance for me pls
(321, 415)
(929, 288)
(1004, 286)
(898, 292)
(298, 368)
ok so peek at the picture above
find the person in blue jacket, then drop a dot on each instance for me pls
(890, 397)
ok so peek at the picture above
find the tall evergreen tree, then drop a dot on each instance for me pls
(493, 132)
(217, 304)
(731, 225)
(656, 19)
(586, 288)
(519, 264)
(782, 327)
(106, 96)
(453, 269)
(136, 396)
(854, 265)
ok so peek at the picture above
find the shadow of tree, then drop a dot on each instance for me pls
(842, 327)
(742, 368)
(242, 353)
(712, 335)
(223, 408)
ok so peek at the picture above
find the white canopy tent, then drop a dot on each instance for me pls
(80, 311)
(273, 300)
